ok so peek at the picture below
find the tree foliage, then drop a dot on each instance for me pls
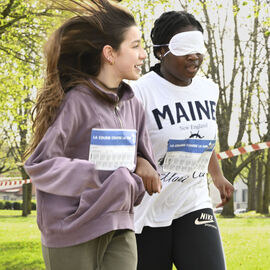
(237, 38)
(236, 61)
(237, 41)
(23, 29)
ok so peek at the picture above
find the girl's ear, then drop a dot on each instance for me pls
(108, 53)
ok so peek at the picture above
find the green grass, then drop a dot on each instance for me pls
(20, 247)
(246, 241)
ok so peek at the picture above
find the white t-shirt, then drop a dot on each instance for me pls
(182, 126)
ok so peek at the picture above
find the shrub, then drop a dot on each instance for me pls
(34, 206)
(17, 206)
(8, 205)
(2, 205)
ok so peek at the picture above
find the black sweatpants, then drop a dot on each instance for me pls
(192, 242)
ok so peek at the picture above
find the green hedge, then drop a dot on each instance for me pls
(14, 205)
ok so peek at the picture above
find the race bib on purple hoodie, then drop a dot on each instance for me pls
(113, 148)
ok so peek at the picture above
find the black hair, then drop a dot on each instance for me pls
(169, 24)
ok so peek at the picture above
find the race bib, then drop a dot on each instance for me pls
(113, 148)
(187, 156)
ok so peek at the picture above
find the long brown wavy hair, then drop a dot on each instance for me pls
(73, 54)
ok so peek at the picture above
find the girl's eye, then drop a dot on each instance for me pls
(136, 45)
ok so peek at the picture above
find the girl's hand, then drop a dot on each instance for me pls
(225, 188)
(149, 176)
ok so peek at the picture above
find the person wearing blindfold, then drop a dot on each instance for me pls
(178, 226)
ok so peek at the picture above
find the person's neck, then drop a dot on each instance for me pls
(170, 78)
(108, 79)
(113, 89)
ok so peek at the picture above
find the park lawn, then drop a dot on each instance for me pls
(246, 242)
(20, 247)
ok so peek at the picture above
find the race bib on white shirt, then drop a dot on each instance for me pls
(186, 156)
(113, 148)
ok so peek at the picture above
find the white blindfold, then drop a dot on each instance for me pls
(185, 43)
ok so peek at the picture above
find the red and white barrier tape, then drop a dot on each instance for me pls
(14, 183)
(243, 150)
(222, 155)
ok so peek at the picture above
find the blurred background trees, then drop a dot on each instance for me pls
(237, 40)
(23, 29)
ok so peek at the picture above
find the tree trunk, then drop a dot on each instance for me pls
(228, 209)
(259, 186)
(266, 193)
(252, 186)
(27, 195)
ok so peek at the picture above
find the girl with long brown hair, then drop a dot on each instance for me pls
(88, 131)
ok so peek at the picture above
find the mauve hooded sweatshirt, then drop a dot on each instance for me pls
(75, 202)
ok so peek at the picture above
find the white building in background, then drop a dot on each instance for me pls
(14, 194)
(240, 195)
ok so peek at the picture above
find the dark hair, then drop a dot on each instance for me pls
(82, 38)
(73, 54)
(169, 24)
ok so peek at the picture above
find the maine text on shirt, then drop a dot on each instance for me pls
(188, 111)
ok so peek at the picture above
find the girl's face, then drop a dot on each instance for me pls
(180, 70)
(129, 58)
